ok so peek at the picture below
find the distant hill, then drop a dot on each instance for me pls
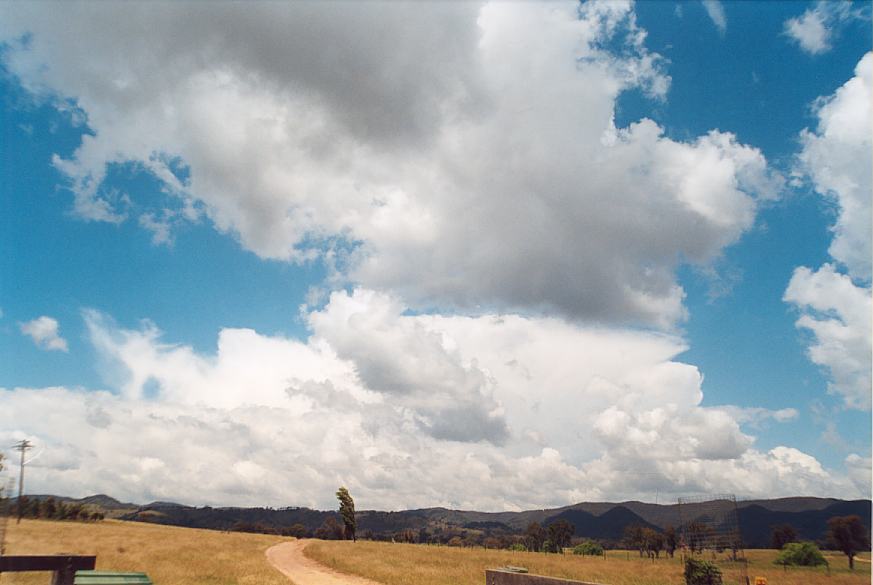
(228, 518)
(608, 526)
(110, 507)
(603, 521)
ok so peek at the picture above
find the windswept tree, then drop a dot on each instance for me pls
(781, 535)
(849, 535)
(347, 511)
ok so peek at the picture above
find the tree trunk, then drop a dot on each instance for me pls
(851, 562)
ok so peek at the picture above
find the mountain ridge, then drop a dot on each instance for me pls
(603, 521)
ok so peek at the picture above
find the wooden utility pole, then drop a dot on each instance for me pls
(21, 446)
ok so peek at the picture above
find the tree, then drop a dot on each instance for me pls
(635, 538)
(804, 554)
(73, 511)
(653, 542)
(560, 533)
(406, 535)
(27, 507)
(671, 541)
(781, 535)
(347, 511)
(48, 509)
(297, 530)
(849, 535)
(329, 530)
(534, 537)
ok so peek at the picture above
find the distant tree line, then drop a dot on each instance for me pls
(51, 509)
(552, 536)
(847, 534)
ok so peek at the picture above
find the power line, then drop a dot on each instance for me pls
(21, 446)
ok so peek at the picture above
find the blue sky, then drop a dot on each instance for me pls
(485, 230)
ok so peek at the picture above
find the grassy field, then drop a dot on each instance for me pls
(409, 564)
(177, 556)
(170, 555)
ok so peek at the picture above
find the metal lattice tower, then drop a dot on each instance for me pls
(710, 524)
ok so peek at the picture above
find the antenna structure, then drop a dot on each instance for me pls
(711, 524)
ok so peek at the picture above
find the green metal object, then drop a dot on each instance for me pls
(111, 578)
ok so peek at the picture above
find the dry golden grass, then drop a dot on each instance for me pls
(170, 555)
(409, 564)
(177, 556)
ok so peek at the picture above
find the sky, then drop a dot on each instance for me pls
(492, 256)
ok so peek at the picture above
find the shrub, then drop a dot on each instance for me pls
(517, 547)
(588, 547)
(701, 573)
(804, 554)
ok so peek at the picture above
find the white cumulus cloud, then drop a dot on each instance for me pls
(814, 30)
(835, 303)
(44, 333)
(836, 156)
(564, 413)
(839, 315)
(463, 155)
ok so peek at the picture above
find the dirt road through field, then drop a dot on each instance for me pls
(288, 557)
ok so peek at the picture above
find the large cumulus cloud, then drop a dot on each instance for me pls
(464, 155)
(506, 412)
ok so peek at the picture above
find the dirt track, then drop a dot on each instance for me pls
(288, 558)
